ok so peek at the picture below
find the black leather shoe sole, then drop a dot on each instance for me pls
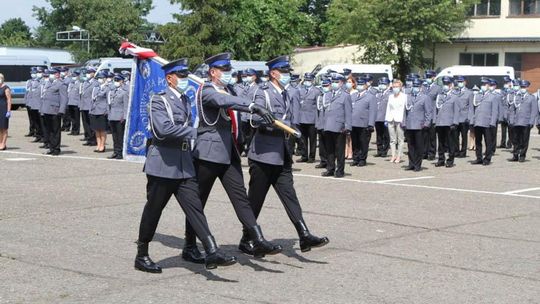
(140, 267)
(307, 248)
(229, 262)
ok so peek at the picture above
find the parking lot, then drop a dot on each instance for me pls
(468, 234)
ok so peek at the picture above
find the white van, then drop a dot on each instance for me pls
(377, 70)
(237, 65)
(113, 64)
(16, 70)
(474, 74)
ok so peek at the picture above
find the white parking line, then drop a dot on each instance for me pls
(521, 190)
(403, 179)
(17, 159)
(383, 182)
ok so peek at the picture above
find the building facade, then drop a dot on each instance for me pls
(501, 32)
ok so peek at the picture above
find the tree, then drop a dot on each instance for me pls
(396, 31)
(317, 13)
(15, 32)
(108, 22)
(252, 30)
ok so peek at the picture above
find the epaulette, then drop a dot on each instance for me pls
(161, 93)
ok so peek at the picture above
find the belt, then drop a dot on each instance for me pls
(274, 132)
(184, 146)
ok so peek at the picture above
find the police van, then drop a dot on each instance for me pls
(474, 74)
(16, 70)
(376, 70)
(113, 64)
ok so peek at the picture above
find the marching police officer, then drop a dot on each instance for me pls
(118, 111)
(217, 156)
(464, 103)
(430, 136)
(307, 115)
(86, 103)
(74, 100)
(337, 124)
(523, 113)
(383, 137)
(417, 117)
(269, 162)
(54, 103)
(169, 170)
(322, 103)
(364, 112)
(484, 116)
(446, 120)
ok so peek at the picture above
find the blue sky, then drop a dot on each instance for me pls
(162, 12)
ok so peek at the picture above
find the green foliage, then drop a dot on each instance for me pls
(252, 30)
(108, 22)
(316, 10)
(396, 31)
(15, 32)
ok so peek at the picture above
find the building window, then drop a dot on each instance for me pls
(514, 60)
(524, 7)
(486, 8)
(479, 59)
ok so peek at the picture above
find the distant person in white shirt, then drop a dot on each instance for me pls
(395, 110)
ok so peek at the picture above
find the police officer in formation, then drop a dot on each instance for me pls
(432, 89)
(33, 103)
(270, 164)
(323, 101)
(118, 100)
(382, 134)
(247, 90)
(446, 121)
(27, 97)
(65, 76)
(364, 112)
(483, 115)
(464, 102)
(74, 102)
(523, 114)
(217, 155)
(86, 104)
(506, 140)
(496, 94)
(53, 107)
(306, 117)
(170, 170)
(418, 114)
(337, 123)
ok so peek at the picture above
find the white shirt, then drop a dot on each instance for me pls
(395, 107)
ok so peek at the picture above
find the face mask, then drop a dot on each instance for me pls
(348, 85)
(101, 81)
(484, 88)
(62, 74)
(1, 81)
(39, 75)
(492, 88)
(88, 76)
(523, 90)
(383, 87)
(396, 90)
(460, 84)
(109, 79)
(225, 77)
(117, 84)
(244, 79)
(415, 90)
(33, 76)
(307, 83)
(368, 84)
(285, 78)
(429, 81)
(233, 81)
(326, 89)
(362, 88)
(264, 79)
(507, 86)
(516, 88)
(182, 84)
(335, 86)
(408, 83)
(446, 88)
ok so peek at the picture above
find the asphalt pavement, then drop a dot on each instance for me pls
(467, 234)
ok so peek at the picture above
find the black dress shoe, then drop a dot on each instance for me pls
(192, 254)
(513, 159)
(261, 246)
(377, 155)
(449, 164)
(90, 144)
(409, 168)
(362, 164)
(3, 149)
(431, 158)
(308, 240)
(45, 146)
(119, 156)
(113, 156)
(477, 162)
(37, 139)
(486, 162)
(214, 256)
(417, 169)
(100, 151)
(521, 159)
(310, 161)
(246, 244)
(327, 173)
(29, 134)
(145, 263)
(354, 164)
(302, 160)
(339, 175)
(320, 166)
(439, 164)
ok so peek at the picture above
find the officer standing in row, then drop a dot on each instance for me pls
(484, 114)
(523, 116)
(33, 104)
(296, 145)
(503, 113)
(498, 98)
(169, 170)
(27, 101)
(86, 104)
(337, 124)
(364, 112)
(446, 120)
(383, 136)
(53, 107)
(217, 155)
(322, 104)
(65, 76)
(118, 111)
(417, 117)
(307, 115)
(430, 136)
(250, 86)
(464, 104)
(270, 164)
(74, 102)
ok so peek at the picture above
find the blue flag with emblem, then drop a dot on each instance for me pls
(149, 79)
